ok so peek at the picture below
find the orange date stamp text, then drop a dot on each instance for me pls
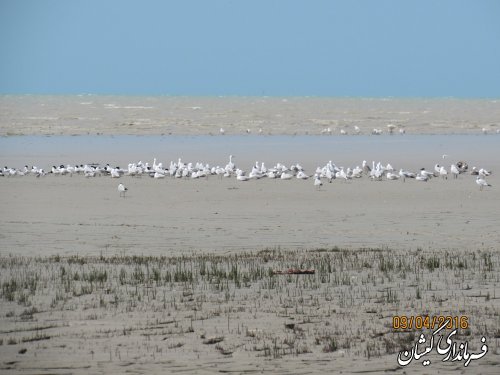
(404, 322)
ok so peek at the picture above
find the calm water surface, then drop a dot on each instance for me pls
(408, 151)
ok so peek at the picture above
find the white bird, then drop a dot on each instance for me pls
(115, 173)
(420, 177)
(392, 176)
(366, 167)
(302, 176)
(222, 131)
(317, 181)
(481, 182)
(122, 189)
(483, 172)
(357, 172)
(406, 174)
(343, 174)
(271, 174)
(230, 166)
(240, 176)
(356, 129)
(443, 172)
(454, 171)
(256, 174)
(426, 174)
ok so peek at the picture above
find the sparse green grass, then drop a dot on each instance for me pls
(236, 294)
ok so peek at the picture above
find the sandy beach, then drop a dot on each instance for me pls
(177, 277)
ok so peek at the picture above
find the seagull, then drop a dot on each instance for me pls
(426, 174)
(481, 182)
(222, 131)
(230, 166)
(392, 176)
(115, 173)
(240, 176)
(483, 172)
(302, 176)
(317, 181)
(406, 174)
(443, 173)
(122, 189)
(454, 171)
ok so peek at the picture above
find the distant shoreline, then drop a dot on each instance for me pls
(226, 96)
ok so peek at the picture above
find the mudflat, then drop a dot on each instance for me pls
(190, 275)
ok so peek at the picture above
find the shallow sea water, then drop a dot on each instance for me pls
(407, 151)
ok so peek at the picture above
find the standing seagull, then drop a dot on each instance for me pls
(122, 189)
(317, 181)
(481, 182)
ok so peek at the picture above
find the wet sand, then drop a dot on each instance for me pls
(91, 114)
(210, 313)
(76, 215)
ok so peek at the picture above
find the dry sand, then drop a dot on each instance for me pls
(95, 283)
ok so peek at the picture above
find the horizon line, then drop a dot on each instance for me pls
(221, 96)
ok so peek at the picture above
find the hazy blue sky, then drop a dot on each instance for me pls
(255, 47)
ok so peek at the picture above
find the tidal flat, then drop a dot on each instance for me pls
(208, 313)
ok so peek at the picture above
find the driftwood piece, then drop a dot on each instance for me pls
(294, 271)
